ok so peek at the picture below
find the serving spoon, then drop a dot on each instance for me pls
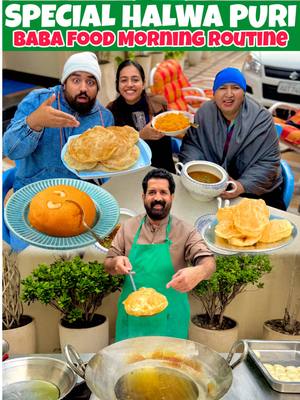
(84, 223)
(98, 239)
(131, 273)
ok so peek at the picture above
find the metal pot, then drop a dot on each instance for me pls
(200, 371)
(36, 378)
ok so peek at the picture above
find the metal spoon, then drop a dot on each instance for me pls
(131, 273)
(84, 223)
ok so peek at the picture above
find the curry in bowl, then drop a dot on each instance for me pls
(204, 177)
(204, 180)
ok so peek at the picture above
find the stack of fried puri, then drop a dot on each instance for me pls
(104, 149)
(248, 223)
(54, 211)
(145, 302)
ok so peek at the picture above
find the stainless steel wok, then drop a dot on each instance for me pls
(209, 372)
(36, 377)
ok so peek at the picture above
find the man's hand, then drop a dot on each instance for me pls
(239, 190)
(119, 265)
(149, 133)
(187, 278)
(45, 116)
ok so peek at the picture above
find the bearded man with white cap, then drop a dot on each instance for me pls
(46, 118)
(239, 134)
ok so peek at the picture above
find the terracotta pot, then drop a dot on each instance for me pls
(270, 334)
(22, 340)
(218, 340)
(85, 340)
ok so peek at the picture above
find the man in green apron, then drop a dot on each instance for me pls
(158, 247)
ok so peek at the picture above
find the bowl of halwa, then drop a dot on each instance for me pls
(173, 123)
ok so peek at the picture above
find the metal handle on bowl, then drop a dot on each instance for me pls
(234, 187)
(221, 202)
(178, 170)
(232, 351)
(78, 366)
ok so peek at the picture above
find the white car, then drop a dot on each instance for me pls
(273, 76)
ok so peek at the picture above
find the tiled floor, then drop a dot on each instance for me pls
(207, 69)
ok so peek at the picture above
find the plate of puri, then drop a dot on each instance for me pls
(248, 227)
(48, 213)
(173, 123)
(105, 152)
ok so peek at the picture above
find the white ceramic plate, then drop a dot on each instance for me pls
(221, 245)
(143, 162)
(180, 131)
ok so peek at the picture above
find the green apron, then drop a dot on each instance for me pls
(153, 268)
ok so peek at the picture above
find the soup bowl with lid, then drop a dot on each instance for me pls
(204, 190)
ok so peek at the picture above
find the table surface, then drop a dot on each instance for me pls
(127, 189)
(248, 383)
(128, 192)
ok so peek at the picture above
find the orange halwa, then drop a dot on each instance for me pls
(50, 211)
(171, 122)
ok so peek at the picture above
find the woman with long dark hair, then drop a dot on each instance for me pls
(135, 108)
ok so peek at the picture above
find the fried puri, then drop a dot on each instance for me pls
(51, 213)
(145, 302)
(80, 166)
(95, 144)
(248, 224)
(104, 149)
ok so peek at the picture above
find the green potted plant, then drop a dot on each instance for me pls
(18, 329)
(232, 275)
(288, 327)
(76, 288)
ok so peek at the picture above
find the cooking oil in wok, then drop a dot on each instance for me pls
(31, 390)
(156, 383)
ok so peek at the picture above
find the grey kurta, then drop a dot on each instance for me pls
(253, 155)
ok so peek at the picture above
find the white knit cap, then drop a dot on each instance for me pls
(85, 62)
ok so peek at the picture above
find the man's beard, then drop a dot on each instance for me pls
(81, 108)
(158, 214)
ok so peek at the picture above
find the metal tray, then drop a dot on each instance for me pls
(282, 352)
